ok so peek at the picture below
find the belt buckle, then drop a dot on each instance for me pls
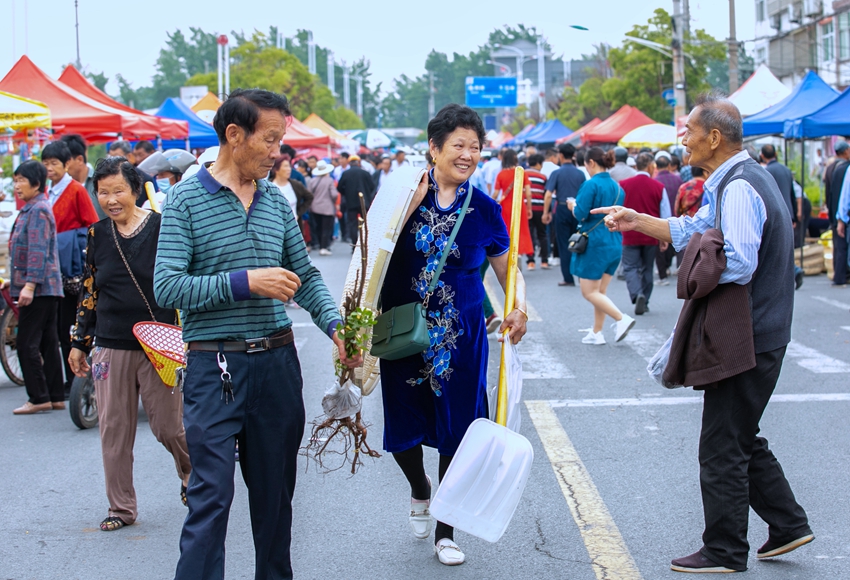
(257, 344)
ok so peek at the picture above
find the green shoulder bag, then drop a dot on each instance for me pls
(403, 331)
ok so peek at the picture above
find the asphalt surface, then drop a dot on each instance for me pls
(639, 448)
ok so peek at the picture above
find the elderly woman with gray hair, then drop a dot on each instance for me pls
(737, 469)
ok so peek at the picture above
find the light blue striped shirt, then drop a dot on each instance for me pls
(843, 213)
(742, 222)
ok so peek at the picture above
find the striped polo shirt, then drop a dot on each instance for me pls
(207, 244)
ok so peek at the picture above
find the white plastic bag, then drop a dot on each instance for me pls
(343, 401)
(513, 364)
(658, 363)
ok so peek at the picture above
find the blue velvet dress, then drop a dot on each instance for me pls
(604, 248)
(433, 397)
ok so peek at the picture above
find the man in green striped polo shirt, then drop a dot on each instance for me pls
(230, 254)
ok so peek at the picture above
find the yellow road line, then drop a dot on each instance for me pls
(498, 301)
(609, 555)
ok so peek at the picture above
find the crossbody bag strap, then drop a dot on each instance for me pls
(129, 270)
(448, 249)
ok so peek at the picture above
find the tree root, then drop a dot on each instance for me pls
(345, 438)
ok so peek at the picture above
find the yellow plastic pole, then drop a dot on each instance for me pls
(517, 214)
(152, 196)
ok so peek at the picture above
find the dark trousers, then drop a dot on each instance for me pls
(839, 256)
(66, 318)
(663, 260)
(637, 267)
(266, 417)
(538, 230)
(324, 230)
(38, 351)
(351, 225)
(565, 226)
(737, 470)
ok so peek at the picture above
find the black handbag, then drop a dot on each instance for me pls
(577, 244)
(402, 331)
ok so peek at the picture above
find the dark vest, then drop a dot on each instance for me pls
(772, 285)
(644, 195)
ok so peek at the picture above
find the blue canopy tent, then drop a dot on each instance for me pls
(201, 133)
(831, 119)
(806, 98)
(548, 132)
(519, 138)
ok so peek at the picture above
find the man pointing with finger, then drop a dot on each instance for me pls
(230, 254)
(737, 469)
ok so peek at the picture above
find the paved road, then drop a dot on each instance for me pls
(626, 447)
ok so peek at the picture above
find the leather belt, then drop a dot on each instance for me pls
(249, 345)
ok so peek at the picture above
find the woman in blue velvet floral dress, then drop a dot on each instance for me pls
(432, 398)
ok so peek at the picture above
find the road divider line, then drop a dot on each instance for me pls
(837, 303)
(539, 360)
(498, 300)
(814, 360)
(609, 556)
(668, 401)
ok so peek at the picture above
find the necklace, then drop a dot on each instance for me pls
(253, 181)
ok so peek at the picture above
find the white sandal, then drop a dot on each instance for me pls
(449, 553)
(420, 516)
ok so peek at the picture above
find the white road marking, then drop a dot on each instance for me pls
(303, 325)
(646, 341)
(540, 361)
(815, 361)
(497, 299)
(831, 302)
(667, 401)
(609, 556)
(847, 328)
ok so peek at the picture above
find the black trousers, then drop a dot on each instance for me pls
(738, 470)
(38, 351)
(537, 229)
(351, 225)
(637, 267)
(324, 230)
(266, 417)
(839, 256)
(663, 260)
(66, 318)
(565, 226)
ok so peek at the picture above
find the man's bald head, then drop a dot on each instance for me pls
(719, 113)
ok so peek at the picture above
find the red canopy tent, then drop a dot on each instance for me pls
(73, 112)
(579, 134)
(612, 129)
(299, 135)
(168, 128)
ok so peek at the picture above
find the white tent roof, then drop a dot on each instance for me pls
(759, 92)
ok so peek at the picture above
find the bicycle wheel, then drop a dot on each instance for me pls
(82, 404)
(9, 351)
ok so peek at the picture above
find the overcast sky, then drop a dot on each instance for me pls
(125, 37)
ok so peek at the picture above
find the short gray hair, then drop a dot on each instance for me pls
(718, 112)
(123, 146)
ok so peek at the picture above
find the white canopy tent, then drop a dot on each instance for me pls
(759, 92)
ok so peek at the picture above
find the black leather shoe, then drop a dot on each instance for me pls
(697, 563)
(640, 304)
(773, 548)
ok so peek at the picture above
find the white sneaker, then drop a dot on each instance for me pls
(554, 261)
(324, 252)
(662, 282)
(593, 338)
(449, 553)
(420, 516)
(622, 327)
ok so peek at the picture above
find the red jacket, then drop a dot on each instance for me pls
(74, 209)
(644, 195)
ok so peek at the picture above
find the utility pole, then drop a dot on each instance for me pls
(223, 66)
(541, 79)
(686, 13)
(681, 107)
(733, 50)
(331, 73)
(432, 106)
(359, 88)
(77, 19)
(346, 89)
(311, 53)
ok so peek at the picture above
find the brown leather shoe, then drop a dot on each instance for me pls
(30, 409)
(699, 564)
(60, 406)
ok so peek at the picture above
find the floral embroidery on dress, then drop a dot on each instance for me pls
(431, 233)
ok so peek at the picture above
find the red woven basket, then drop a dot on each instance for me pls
(163, 344)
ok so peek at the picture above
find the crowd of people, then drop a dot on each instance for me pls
(90, 261)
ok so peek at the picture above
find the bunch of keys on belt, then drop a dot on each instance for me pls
(226, 383)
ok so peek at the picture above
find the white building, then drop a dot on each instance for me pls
(793, 36)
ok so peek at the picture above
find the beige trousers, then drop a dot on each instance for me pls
(120, 377)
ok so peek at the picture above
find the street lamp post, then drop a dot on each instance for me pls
(541, 79)
(331, 73)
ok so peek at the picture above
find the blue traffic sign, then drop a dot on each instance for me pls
(489, 92)
(669, 95)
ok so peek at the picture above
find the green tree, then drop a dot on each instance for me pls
(98, 79)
